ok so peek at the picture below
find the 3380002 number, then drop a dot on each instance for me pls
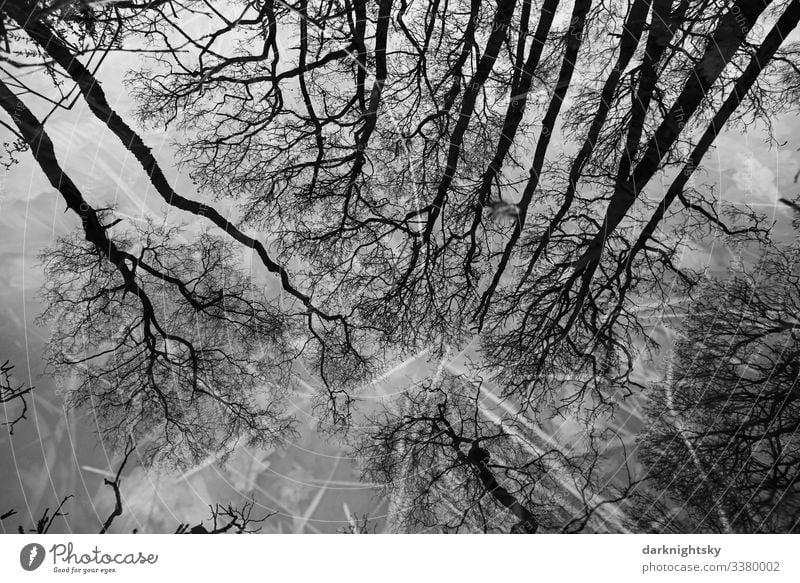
(755, 566)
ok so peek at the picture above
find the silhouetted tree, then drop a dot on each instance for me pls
(418, 175)
(223, 519)
(12, 397)
(723, 453)
(457, 460)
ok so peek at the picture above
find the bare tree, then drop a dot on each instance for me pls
(456, 462)
(414, 175)
(173, 344)
(12, 397)
(723, 452)
(223, 519)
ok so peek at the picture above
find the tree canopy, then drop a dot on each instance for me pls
(508, 181)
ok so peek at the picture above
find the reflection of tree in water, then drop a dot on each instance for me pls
(12, 397)
(398, 175)
(725, 452)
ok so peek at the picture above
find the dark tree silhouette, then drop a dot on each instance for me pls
(12, 397)
(223, 519)
(462, 463)
(180, 395)
(513, 175)
(723, 453)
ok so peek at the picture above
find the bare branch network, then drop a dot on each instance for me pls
(510, 181)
